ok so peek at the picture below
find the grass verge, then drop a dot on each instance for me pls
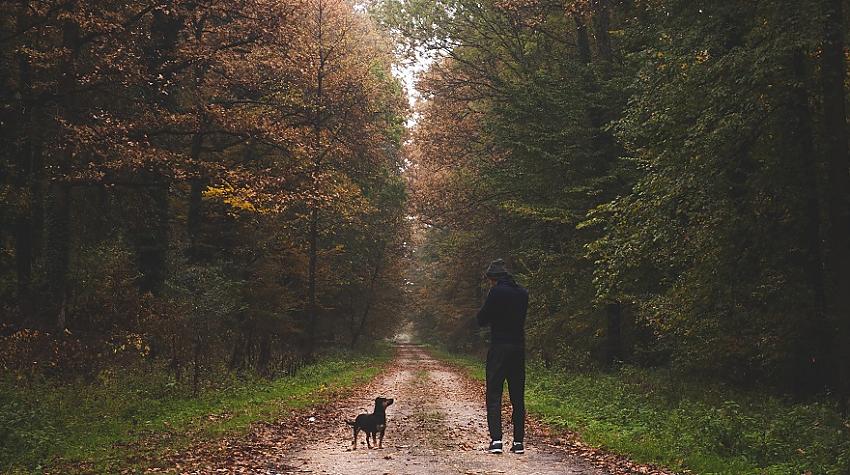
(126, 419)
(652, 417)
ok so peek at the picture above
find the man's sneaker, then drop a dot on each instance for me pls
(518, 448)
(495, 447)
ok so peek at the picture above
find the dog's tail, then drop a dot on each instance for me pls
(351, 423)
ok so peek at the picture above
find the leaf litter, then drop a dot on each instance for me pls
(436, 426)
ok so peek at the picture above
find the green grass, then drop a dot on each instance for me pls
(125, 419)
(652, 417)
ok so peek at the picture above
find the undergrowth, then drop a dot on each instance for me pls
(652, 416)
(127, 417)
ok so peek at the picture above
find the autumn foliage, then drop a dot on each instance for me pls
(216, 183)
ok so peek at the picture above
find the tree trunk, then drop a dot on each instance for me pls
(59, 214)
(609, 151)
(196, 365)
(601, 113)
(197, 183)
(601, 27)
(311, 282)
(24, 181)
(264, 354)
(835, 138)
(582, 40)
(57, 251)
(241, 344)
(369, 298)
(614, 340)
(152, 244)
(808, 365)
(23, 260)
(318, 124)
(175, 360)
(195, 213)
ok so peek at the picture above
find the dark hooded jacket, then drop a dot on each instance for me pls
(504, 310)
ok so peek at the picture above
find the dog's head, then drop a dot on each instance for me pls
(383, 402)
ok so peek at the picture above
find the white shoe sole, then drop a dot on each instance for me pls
(495, 451)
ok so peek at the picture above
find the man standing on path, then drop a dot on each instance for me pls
(504, 311)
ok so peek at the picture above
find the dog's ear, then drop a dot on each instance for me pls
(387, 402)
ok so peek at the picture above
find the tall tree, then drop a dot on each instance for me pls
(834, 74)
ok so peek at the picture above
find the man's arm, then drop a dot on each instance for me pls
(485, 313)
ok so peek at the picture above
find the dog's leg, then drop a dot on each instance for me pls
(355, 437)
(374, 438)
(368, 445)
(381, 443)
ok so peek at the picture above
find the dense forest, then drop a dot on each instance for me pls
(223, 181)
(199, 184)
(669, 178)
(207, 207)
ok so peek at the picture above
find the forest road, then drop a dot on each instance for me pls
(437, 425)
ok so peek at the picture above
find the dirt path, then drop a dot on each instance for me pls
(436, 426)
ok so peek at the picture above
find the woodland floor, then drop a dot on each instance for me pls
(437, 425)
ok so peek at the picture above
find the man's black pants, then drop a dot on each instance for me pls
(506, 362)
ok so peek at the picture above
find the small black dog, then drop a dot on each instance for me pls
(372, 424)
